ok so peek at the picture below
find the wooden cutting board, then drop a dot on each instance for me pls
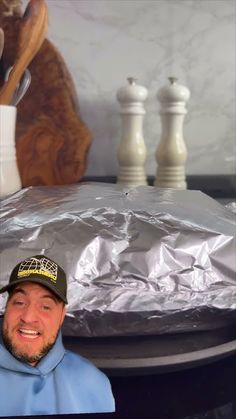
(52, 141)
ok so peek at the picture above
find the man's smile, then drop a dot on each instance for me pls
(29, 333)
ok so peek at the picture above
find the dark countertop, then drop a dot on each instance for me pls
(184, 394)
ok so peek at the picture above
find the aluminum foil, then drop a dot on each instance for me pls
(139, 260)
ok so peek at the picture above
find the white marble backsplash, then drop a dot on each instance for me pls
(105, 41)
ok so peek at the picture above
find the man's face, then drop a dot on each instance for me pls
(32, 320)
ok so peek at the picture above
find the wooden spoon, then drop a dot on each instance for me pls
(1, 42)
(31, 37)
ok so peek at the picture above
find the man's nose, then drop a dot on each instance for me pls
(29, 314)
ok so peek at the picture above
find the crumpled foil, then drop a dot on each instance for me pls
(139, 260)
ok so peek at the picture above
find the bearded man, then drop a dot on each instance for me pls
(43, 377)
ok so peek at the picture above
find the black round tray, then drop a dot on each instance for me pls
(135, 355)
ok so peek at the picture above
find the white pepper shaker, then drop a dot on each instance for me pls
(132, 150)
(171, 153)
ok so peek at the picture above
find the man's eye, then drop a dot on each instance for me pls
(46, 308)
(18, 303)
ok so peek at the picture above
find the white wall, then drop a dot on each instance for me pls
(105, 41)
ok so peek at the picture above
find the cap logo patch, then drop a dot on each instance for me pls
(36, 266)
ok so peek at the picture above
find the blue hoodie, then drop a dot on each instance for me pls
(62, 382)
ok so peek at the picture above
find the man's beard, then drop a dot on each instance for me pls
(21, 355)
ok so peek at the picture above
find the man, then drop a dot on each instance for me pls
(37, 375)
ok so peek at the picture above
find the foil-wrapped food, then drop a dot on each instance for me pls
(138, 260)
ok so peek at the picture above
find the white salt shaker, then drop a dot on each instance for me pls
(10, 181)
(171, 153)
(132, 150)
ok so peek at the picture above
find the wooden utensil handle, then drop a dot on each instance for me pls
(1, 42)
(32, 34)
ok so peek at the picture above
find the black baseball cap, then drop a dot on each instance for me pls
(41, 270)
